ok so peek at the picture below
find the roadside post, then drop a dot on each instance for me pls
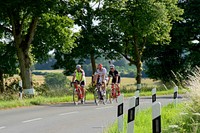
(175, 95)
(20, 89)
(131, 115)
(153, 95)
(120, 111)
(137, 102)
(156, 117)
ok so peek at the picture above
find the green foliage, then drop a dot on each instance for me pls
(8, 62)
(56, 80)
(182, 55)
(43, 21)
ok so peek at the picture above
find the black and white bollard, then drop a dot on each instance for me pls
(20, 89)
(137, 100)
(153, 95)
(131, 115)
(120, 111)
(156, 117)
(175, 95)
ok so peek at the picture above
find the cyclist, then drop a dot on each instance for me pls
(79, 75)
(101, 77)
(115, 77)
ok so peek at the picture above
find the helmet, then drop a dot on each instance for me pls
(112, 66)
(78, 66)
(100, 66)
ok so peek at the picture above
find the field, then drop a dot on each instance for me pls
(128, 82)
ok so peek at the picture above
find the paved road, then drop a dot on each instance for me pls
(64, 118)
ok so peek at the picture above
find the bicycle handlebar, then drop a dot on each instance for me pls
(74, 83)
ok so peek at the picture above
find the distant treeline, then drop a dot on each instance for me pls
(121, 65)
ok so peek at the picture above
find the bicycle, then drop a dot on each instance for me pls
(99, 94)
(77, 93)
(114, 93)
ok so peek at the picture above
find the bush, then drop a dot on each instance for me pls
(56, 80)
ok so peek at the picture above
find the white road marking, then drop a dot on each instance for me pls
(2, 127)
(69, 113)
(36, 119)
(105, 107)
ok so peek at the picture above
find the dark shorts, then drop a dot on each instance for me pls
(114, 80)
(82, 82)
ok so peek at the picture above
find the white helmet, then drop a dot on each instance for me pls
(112, 66)
(78, 66)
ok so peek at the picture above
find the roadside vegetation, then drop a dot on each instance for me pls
(54, 87)
(143, 119)
(184, 118)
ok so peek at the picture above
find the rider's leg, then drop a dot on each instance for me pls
(82, 89)
(118, 88)
(104, 86)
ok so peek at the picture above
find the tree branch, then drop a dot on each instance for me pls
(132, 61)
(31, 31)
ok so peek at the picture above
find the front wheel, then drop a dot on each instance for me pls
(96, 97)
(75, 97)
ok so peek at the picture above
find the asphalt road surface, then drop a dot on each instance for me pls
(65, 117)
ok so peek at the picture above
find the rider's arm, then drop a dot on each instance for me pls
(117, 79)
(108, 80)
(74, 77)
(109, 75)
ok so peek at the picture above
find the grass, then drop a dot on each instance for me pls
(143, 120)
(38, 100)
(128, 88)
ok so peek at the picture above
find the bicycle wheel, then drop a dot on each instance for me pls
(96, 97)
(75, 97)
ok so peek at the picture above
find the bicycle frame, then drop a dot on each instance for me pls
(113, 92)
(98, 94)
(77, 92)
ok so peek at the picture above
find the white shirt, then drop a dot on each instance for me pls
(102, 72)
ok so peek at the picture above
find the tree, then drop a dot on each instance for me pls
(8, 62)
(21, 20)
(182, 55)
(94, 38)
(141, 23)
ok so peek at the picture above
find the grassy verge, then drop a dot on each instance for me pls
(159, 93)
(143, 120)
(37, 101)
(52, 100)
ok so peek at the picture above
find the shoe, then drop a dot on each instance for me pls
(83, 101)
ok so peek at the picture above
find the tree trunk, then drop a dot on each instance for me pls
(25, 73)
(138, 64)
(23, 43)
(1, 82)
(92, 58)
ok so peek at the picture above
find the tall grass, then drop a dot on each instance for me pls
(192, 120)
(143, 120)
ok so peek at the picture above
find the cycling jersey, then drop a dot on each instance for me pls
(114, 74)
(78, 75)
(102, 72)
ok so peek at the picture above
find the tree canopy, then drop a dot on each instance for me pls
(43, 21)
